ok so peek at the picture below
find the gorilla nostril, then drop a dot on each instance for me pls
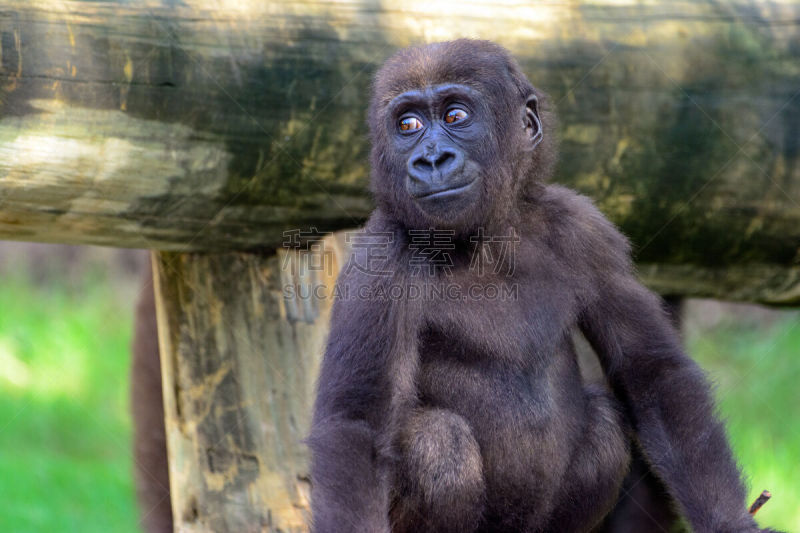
(422, 164)
(444, 160)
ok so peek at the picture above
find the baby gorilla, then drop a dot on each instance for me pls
(450, 398)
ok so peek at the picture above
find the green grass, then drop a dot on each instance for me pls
(65, 453)
(756, 370)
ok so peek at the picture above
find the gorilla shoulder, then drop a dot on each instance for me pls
(578, 232)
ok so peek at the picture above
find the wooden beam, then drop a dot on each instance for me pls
(215, 126)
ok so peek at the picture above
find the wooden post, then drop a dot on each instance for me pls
(241, 337)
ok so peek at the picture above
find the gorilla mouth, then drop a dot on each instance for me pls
(445, 193)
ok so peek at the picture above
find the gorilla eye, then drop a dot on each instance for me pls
(454, 115)
(410, 124)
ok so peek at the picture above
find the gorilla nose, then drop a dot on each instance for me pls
(435, 166)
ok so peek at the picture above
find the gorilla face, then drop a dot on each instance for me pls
(448, 150)
(453, 131)
(437, 131)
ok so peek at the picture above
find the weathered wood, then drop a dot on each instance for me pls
(211, 126)
(239, 359)
(215, 126)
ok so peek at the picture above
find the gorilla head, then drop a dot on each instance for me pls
(459, 136)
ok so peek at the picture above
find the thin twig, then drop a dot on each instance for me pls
(761, 500)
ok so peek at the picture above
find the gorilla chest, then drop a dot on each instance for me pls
(518, 414)
(501, 361)
(503, 318)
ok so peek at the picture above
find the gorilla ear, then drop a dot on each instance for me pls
(532, 124)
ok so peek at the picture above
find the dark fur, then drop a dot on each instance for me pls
(472, 416)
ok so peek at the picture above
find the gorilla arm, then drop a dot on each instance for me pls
(357, 385)
(669, 401)
(348, 493)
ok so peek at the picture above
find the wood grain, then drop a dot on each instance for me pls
(240, 348)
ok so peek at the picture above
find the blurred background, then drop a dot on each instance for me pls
(66, 315)
(214, 125)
